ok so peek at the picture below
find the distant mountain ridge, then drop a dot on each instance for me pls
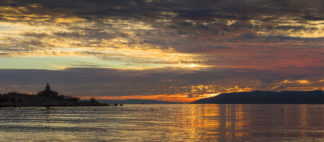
(266, 97)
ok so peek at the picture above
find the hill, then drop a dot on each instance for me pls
(266, 97)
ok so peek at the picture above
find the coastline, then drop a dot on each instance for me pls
(45, 98)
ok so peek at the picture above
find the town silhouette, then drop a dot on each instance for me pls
(46, 97)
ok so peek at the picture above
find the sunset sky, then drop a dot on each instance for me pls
(171, 50)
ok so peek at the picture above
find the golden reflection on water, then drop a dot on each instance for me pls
(190, 122)
(213, 122)
(240, 122)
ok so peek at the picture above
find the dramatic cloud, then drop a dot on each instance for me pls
(204, 47)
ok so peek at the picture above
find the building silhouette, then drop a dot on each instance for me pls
(48, 92)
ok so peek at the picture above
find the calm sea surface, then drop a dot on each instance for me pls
(188, 122)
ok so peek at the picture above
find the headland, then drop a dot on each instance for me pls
(266, 97)
(46, 98)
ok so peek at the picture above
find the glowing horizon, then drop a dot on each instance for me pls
(152, 48)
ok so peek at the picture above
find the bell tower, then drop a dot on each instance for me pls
(48, 87)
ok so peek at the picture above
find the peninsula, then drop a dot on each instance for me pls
(44, 98)
(266, 97)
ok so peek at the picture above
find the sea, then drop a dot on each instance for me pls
(164, 122)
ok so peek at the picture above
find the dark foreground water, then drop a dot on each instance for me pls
(189, 122)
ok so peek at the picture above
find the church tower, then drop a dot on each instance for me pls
(48, 92)
(48, 87)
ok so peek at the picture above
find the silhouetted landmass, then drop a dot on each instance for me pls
(136, 101)
(266, 97)
(44, 98)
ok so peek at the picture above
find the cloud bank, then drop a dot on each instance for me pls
(173, 47)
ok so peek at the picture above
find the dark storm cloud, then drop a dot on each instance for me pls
(185, 9)
(209, 20)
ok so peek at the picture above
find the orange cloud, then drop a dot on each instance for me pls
(169, 98)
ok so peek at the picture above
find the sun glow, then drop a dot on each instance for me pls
(162, 97)
(193, 65)
(213, 95)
